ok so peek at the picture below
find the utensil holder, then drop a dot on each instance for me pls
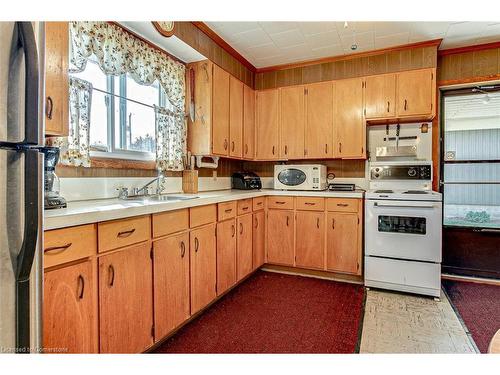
(190, 181)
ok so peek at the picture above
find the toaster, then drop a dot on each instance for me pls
(245, 181)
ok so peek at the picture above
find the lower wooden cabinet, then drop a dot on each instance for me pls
(344, 242)
(259, 239)
(171, 283)
(203, 267)
(280, 237)
(226, 255)
(244, 253)
(310, 239)
(126, 300)
(69, 310)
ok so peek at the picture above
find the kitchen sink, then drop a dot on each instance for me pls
(160, 198)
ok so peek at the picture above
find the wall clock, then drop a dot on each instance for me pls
(165, 28)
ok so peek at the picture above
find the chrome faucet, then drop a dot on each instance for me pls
(144, 190)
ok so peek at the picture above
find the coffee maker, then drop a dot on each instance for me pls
(52, 199)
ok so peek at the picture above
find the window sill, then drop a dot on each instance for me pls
(117, 163)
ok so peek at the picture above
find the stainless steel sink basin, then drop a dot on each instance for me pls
(160, 198)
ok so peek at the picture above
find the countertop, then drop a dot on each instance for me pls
(92, 211)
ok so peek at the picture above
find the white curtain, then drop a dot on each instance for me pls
(170, 140)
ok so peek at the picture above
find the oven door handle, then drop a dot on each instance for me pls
(399, 205)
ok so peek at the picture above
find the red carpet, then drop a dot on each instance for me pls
(275, 313)
(479, 307)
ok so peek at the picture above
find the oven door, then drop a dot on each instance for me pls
(403, 229)
(292, 179)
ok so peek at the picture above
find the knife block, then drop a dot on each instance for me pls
(190, 181)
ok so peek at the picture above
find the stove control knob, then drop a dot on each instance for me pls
(412, 172)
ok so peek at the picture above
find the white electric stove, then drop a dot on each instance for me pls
(403, 221)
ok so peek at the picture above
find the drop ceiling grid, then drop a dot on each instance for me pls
(274, 43)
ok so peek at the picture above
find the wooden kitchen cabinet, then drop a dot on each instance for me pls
(292, 122)
(259, 239)
(380, 96)
(244, 253)
(280, 237)
(220, 111)
(350, 129)
(203, 266)
(126, 300)
(56, 79)
(70, 309)
(226, 255)
(319, 120)
(416, 91)
(343, 245)
(310, 240)
(248, 122)
(267, 124)
(235, 117)
(171, 283)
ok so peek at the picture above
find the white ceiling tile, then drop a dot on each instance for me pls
(487, 39)
(392, 40)
(288, 38)
(428, 28)
(235, 27)
(354, 27)
(278, 27)
(268, 61)
(465, 29)
(263, 51)
(390, 28)
(491, 31)
(364, 41)
(457, 42)
(323, 39)
(311, 28)
(334, 50)
(252, 38)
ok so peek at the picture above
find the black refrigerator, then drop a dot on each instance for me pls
(21, 184)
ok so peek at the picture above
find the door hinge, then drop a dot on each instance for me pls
(153, 330)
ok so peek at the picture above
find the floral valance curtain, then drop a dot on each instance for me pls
(170, 140)
(118, 52)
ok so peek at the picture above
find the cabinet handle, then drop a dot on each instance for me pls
(280, 202)
(183, 249)
(342, 204)
(49, 106)
(225, 144)
(333, 223)
(326, 148)
(196, 244)
(286, 149)
(317, 222)
(287, 220)
(273, 150)
(58, 248)
(388, 106)
(245, 208)
(125, 233)
(228, 210)
(232, 146)
(406, 104)
(111, 274)
(246, 149)
(256, 223)
(340, 147)
(310, 203)
(241, 228)
(81, 286)
(233, 230)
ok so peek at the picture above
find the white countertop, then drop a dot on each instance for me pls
(92, 211)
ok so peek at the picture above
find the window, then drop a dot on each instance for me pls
(122, 120)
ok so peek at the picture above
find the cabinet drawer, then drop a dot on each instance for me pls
(258, 203)
(310, 204)
(118, 233)
(244, 206)
(343, 204)
(226, 210)
(170, 222)
(202, 215)
(69, 244)
(280, 202)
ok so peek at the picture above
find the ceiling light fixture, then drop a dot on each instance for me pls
(346, 25)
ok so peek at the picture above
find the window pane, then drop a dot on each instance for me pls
(142, 93)
(94, 75)
(138, 128)
(98, 122)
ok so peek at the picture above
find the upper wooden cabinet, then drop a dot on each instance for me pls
(380, 96)
(248, 122)
(292, 122)
(235, 117)
(416, 92)
(220, 111)
(56, 78)
(319, 120)
(267, 124)
(350, 126)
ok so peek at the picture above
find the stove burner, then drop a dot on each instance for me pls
(384, 191)
(415, 192)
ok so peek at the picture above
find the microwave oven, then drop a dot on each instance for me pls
(300, 177)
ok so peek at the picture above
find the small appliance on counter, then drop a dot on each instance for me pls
(246, 181)
(300, 177)
(52, 199)
(341, 187)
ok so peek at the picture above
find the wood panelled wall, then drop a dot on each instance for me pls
(386, 61)
(201, 42)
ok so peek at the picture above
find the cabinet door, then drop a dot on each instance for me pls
(319, 120)
(292, 119)
(244, 253)
(126, 300)
(380, 96)
(343, 243)
(248, 122)
(226, 255)
(69, 309)
(203, 267)
(259, 238)
(350, 123)
(235, 117)
(171, 283)
(56, 78)
(220, 111)
(267, 124)
(280, 237)
(415, 92)
(310, 240)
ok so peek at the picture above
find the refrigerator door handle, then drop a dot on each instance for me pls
(23, 41)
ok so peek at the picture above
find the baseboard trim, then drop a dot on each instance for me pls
(470, 279)
(317, 274)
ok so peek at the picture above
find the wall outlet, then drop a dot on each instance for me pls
(214, 174)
